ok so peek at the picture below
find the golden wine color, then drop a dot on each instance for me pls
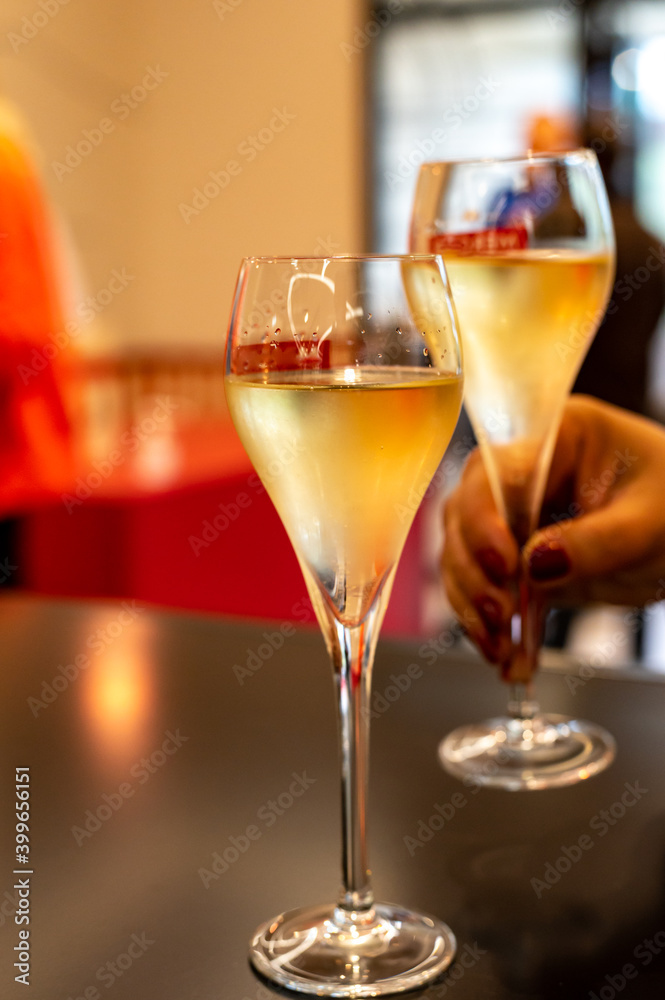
(346, 456)
(527, 318)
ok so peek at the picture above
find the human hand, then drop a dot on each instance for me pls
(602, 534)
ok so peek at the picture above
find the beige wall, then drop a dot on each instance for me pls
(219, 72)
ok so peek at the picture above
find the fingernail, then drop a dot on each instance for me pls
(491, 613)
(493, 564)
(548, 562)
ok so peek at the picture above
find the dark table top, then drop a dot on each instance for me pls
(149, 761)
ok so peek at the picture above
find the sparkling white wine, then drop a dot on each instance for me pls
(527, 318)
(358, 449)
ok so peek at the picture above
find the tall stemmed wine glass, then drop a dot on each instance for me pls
(352, 366)
(529, 250)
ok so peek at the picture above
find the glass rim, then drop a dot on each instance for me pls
(342, 258)
(529, 156)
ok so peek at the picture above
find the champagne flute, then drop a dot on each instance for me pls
(529, 250)
(351, 367)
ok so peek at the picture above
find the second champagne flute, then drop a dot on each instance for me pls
(529, 249)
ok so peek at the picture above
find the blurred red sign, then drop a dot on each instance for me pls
(281, 356)
(483, 242)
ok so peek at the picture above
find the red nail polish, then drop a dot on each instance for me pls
(490, 612)
(493, 564)
(548, 562)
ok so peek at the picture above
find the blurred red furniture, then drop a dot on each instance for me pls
(164, 506)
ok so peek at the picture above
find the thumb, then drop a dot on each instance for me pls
(588, 558)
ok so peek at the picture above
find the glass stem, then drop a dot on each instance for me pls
(524, 660)
(353, 655)
(521, 703)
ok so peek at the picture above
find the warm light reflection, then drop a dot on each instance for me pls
(156, 453)
(119, 688)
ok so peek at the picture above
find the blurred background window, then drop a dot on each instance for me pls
(634, 34)
(460, 80)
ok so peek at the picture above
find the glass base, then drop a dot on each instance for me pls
(331, 952)
(547, 751)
